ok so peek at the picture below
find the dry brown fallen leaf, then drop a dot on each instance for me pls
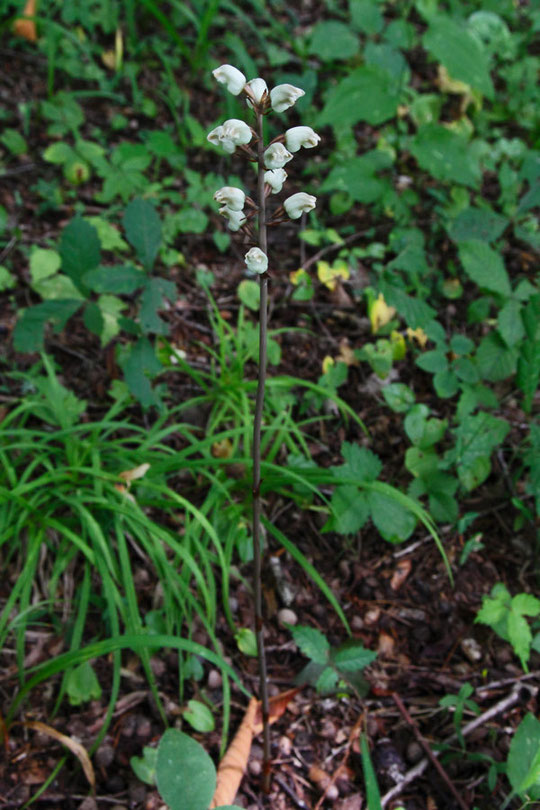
(234, 763)
(403, 569)
(27, 28)
(75, 747)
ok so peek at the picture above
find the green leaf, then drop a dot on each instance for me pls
(432, 361)
(372, 788)
(421, 463)
(119, 279)
(477, 223)
(415, 422)
(485, 267)
(528, 372)
(523, 754)
(357, 177)
(333, 40)
(43, 263)
(446, 383)
(445, 155)
(59, 152)
(520, 636)
(414, 311)
(494, 359)
(526, 604)
(350, 511)
(143, 230)
(30, 327)
(476, 438)
(312, 643)
(140, 365)
(394, 521)
(360, 463)
(14, 142)
(246, 641)
(7, 280)
(82, 685)
(510, 323)
(366, 16)
(366, 94)
(199, 716)
(249, 294)
(460, 52)
(399, 397)
(80, 250)
(191, 220)
(185, 774)
(352, 656)
(155, 290)
(327, 681)
(108, 234)
(144, 767)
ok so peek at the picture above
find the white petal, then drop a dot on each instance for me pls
(233, 79)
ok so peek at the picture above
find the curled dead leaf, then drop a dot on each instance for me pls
(403, 569)
(75, 747)
(26, 28)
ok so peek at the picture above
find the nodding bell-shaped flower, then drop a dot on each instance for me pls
(301, 136)
(235, 219)
(275, 179)
(284, 96)
(256, 260)
(231, 197)
(276, 156)
(231, 134)
(299, 203)
(255, 90)
(233, 79)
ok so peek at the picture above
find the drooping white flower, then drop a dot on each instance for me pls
(230, 134)
(284, 96)
(301, 136)
(297, 204)
(235, 219)
(255, 90)
(256, 260)
(275, 179)
(231, 197)
(276, 156)
(233, 79)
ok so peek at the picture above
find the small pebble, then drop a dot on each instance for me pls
(255, 767)
(104, 756)
(214, 679)
(88, 804)
(287, 616)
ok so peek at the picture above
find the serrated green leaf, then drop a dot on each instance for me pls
(460, 52)
(120, 279)
(80, 251)
(526, 604)
(494, 359)
(478, 224)
(399, 397)
(352, 656)
(366, 94)
(30, 327)
(143, 230)
(312, 643)
(360, 463)
(350, 510)
(446, 155)
(523, 754)
(432, 361)
(327, 681)
(394, 521)
(485, 267)
(154, 291)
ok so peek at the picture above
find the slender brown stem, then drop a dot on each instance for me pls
(257, 422)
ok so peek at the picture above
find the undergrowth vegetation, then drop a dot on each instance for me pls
(403, 348)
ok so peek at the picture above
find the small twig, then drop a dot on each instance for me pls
(434, 761)
(291, 794)
(504, 704)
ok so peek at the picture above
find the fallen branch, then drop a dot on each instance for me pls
(504, 704)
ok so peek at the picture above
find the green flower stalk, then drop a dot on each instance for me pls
(236, 137)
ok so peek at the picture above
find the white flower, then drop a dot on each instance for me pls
(284, 96)
(298, 203)
(256, 260)
(233, 198)
(255, 90)
(276, 156)
(230, 135)
(301, 136)
(275, 179)
(233, 79)
(235, 219)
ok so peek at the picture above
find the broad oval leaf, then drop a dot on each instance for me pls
(185, 774)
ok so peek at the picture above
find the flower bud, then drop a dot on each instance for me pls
(297, 204)
(233, 79)
(235, 219)
(233, 198)
(256, 260)
(255, 90)
(284, 96)
(275, 179)
(276, 156)
(301, 136)
(231, 134)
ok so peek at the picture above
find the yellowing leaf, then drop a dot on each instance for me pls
(399, 347)
(380, 313)
(222, 449)
(327, 363)
(417, 335)
(329, 274)
(136, 472)
(298, 276)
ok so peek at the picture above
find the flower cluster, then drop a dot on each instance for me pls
(234, 133)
